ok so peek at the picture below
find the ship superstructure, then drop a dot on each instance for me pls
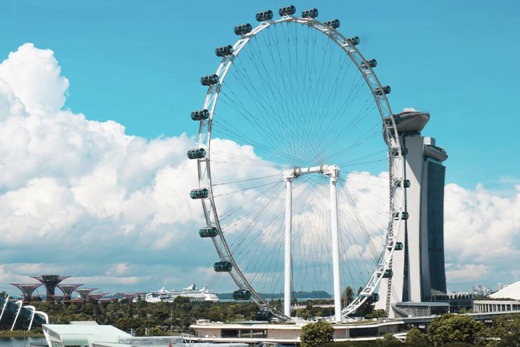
(191, 292)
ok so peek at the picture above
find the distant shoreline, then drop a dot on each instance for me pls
(315, 295)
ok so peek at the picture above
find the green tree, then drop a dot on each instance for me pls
(507, 329)
(317, 334)
(389, 340)
(376, 314)
(348, 296)
(454, 328)
(415, 338)
(303, 313)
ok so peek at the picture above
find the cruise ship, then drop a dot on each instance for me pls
(163, 295)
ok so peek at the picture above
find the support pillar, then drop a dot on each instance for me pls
(288, 251)
(335, 245)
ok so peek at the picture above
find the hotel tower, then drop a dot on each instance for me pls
(418, 269)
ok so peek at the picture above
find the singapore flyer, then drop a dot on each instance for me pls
(299, 165)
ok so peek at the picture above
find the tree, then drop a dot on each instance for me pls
(389, 340)
(507, 328)
(415, 338)
(303, 313)
(380, 313)
(348, 296)
(454, 328)
(317, 334)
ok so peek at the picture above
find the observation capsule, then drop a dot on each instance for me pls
(388, 274)
(399, 246)
(196, 153)
(200, 114)
(354, 40)
(208, 232)
(369, 63)
(395, 151)
(243, 29)
(222, 266)
(374, 297)
(209, 80)
(263, 16)
(402, 215)
(405, 183)
(264, 316)
(241, 295)
(199, 193)
(287, 10)
(313, 13)
(224, 51)
(333, 23)
(383, 90)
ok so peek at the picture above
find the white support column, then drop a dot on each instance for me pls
(3, 309)
(335, 244)
(288, 251)
(19, 303)
(331, 171)
(33, 309)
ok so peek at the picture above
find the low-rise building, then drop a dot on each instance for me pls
(286, 333)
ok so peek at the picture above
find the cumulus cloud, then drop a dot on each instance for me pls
(75, 190)
(84, 198)
(466, 273)
(34, 77)
(482, 228)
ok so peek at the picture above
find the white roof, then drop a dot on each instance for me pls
(510, 292)
(91, 332)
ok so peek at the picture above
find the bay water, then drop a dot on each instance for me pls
(21, 342)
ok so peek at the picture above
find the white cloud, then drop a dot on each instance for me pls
(75, 190)
(83, 198)
(118, 269)
(34, 77)
(466, 273)
(483, 229)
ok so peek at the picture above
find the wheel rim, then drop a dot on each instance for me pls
(279, 153)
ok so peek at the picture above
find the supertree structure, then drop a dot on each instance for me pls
(50, 282)
(27, 290)
(85, 292)
(67, 290)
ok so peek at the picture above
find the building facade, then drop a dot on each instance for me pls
(418, 269)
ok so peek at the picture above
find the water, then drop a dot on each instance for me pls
(19, 341)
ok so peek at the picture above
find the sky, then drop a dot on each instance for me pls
(95, 102)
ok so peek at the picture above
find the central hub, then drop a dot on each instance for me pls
(327, 170)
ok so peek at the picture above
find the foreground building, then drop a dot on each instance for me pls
(285, 334)
(90, 334)
(418, 269)
(15, 316)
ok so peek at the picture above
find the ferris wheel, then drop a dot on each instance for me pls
(300, 169)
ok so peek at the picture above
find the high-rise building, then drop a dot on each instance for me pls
(418, 269)
(481, 290)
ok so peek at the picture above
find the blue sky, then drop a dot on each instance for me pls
(138, 64)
